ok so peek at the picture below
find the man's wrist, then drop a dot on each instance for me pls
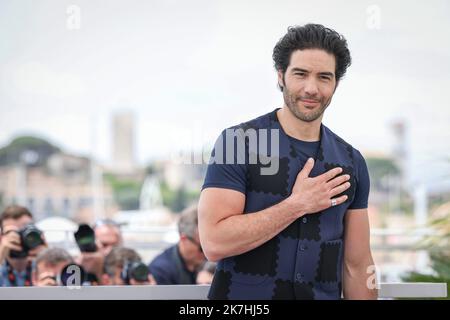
(294, 207)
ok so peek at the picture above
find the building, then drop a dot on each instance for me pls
(123, 143)
(54, 183)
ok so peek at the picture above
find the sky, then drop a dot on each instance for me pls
(189, 69)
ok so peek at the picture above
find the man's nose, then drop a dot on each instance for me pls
(311, 88)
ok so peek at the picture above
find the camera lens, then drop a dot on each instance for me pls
(85, 238)
(32, 239)
(139, 272)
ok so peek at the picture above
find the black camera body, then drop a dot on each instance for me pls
(85, 238)
(30, 238)
(134, 270)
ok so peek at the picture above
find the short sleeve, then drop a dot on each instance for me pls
(225, 171)
(361, 199)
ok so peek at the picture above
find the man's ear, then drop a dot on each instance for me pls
(280, 79)
(337, 83)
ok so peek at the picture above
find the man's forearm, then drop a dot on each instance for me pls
(359, 283)
(3, 254)
(241, 233)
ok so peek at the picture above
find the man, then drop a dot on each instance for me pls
(107, 236)
(283, 226)
(16, 271)
(49, 265)
(179, 264)
(119, 259)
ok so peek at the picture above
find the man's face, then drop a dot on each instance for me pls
(192, 250)
(107, 237)
(309, 83)
(46, 274)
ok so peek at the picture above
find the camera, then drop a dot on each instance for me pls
(85, 238)
(134, 270)
(30, 238)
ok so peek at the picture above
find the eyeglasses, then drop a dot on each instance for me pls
(199, 246)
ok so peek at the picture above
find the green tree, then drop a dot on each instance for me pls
(438, 247)
(379, 168)
(126, 192)
(178, 199)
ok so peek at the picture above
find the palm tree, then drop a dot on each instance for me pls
(438, 247)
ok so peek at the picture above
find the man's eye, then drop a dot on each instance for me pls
(325, 77)
(301, 74)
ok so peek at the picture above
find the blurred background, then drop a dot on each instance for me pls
(109, 109)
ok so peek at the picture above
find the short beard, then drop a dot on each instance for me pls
(291, 102)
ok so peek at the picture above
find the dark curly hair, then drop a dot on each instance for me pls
(312, 36)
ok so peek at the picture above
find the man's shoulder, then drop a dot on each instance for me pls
(350, 148)
(260, 122)
(164, 259)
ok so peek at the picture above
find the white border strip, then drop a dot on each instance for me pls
(188, 292)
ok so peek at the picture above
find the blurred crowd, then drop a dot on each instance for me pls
(26, 259)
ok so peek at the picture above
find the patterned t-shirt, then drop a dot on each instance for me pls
(304, 261)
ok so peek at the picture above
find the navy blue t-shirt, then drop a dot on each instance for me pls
(233, 176)
(169, 268)
(305, 260)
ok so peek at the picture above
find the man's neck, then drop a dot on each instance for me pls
(298, 129)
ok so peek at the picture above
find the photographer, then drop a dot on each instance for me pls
(49, 265)
(20, 242)
(124, 266)
(90, 258)
(108, 235)
(179, 263)
(95, 244)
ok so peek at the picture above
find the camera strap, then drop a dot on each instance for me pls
(12, 276)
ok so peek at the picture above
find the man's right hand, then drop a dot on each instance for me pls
(10, 240)
(92, 262)
(46, 279)
(311, 195)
